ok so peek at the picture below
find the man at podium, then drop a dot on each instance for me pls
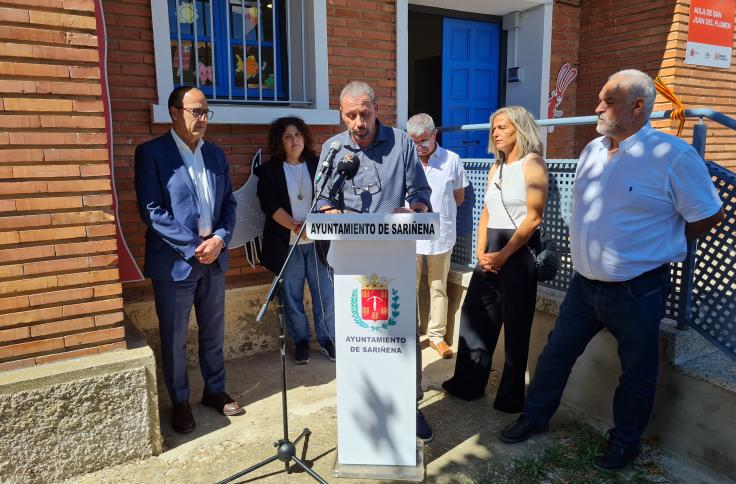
(389, 176)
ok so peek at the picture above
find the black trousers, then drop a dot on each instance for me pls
(506, 299)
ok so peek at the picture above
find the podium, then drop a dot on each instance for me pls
(374, 258)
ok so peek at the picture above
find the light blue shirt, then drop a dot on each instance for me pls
(389, 174)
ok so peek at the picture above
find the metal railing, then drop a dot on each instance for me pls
(234, 62)
(703, 285)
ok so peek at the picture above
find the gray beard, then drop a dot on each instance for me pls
(607, 130)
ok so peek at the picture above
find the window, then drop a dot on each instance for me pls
(238, 42)
(255, 60)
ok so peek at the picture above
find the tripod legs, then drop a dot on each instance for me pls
(285, 452)
(309, 471)
(285, 449)
(249, 469)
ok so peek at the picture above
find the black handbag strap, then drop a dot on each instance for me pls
(499, 185)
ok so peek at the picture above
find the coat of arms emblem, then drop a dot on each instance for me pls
(374, 299)
(375, 303)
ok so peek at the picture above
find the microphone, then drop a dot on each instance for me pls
(347, 168)
(334, 148)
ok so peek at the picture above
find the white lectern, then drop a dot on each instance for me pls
(375, 338)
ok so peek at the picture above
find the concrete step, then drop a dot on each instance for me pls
(465, 448)
(715, 368)
(681, 346)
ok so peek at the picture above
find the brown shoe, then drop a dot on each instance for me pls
(222, 403)
(442, 349)
(182, 419)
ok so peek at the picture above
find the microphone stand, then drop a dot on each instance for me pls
(285, 449)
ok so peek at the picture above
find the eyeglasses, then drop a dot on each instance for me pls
(198, 113)
(427, 143)
(372, 188)
(366, 181)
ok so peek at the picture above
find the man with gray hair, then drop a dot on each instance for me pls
(639, 196)
(446, 177)
(390, 174)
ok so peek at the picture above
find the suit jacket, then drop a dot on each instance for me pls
(167, 203)
(273, 194)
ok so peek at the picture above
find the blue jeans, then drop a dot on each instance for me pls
(631, 311)
(305, 264)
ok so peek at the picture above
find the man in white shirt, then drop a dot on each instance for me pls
(640, 195)
(446, 177)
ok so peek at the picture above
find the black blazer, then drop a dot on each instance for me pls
(272, 195)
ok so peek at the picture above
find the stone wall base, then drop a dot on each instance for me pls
(64, 419)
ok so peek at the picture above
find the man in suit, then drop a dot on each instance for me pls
(185, 199)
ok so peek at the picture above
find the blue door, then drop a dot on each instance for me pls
(470, 67)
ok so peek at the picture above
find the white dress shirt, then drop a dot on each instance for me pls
(445, 174)
(195, 167)
(629, 212)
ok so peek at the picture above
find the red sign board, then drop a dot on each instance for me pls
(710, 34)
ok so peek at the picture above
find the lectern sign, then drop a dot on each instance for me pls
(375, 333)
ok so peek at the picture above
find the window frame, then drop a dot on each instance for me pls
(316, 42)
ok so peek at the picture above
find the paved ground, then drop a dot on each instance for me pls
(465, 448)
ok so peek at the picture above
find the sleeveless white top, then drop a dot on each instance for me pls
(514, 194)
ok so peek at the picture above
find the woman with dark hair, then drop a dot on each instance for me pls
(503, 288)
(285, 191)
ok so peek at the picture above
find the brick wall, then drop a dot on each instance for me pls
(650, 36)
(702, 87)
(361, 42)
(361, 45)
(60, 295)
(615, 36)
(565, 47)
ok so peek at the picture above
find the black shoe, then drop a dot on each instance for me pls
(521, 429)
(328, 349)
(424, 431)
(301, 353)
(182, 419)
(615, 458)
(453, 389)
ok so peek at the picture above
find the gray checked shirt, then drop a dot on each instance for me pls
(389, 174)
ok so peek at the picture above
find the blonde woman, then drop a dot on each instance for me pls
(503, 288)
